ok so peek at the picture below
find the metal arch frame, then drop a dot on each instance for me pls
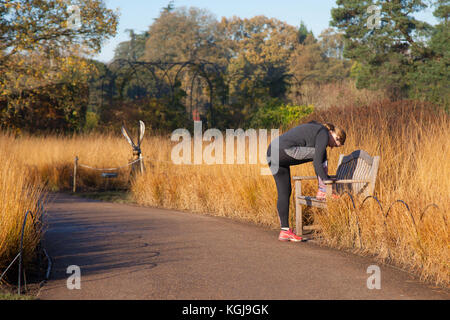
(203, 69)
(199, 67)
(112, 74)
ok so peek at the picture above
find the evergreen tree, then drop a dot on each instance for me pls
(303, 33)
(170, 7)
(432, 79)
(387, 50)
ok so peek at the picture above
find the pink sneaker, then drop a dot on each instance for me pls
(322, 195)
(288, 235)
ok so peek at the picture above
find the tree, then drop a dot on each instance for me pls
(332, 43)
(387, 52)
(29, 25)
(43, 45)
(318, 61)
(303, 32)
(334, 66)
(190, 36)
(182, 35)
(170, 7)
(432, 78)
(306, 60)
(259, 50)
(134, 49)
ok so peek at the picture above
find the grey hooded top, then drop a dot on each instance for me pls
(304, 143)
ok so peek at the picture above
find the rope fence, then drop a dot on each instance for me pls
(109, 169)
(109, 175)
(105, 175)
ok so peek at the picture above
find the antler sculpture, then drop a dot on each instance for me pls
(137, 154)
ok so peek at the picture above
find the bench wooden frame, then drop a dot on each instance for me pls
(356, 173)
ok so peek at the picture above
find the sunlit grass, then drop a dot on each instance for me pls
(412, 141)
(17, 195)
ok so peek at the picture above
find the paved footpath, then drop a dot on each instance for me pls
(131, 252)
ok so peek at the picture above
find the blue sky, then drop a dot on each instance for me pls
(140, 14)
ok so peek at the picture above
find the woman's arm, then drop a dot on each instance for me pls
(320, 153)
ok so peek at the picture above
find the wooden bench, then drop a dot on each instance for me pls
(356, 173)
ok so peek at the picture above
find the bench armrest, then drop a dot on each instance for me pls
(346, 181)
(304, 178)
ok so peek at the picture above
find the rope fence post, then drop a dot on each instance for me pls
(75, 174)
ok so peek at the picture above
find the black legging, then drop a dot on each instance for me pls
(305, 143)
(283, 181)
(284, 190)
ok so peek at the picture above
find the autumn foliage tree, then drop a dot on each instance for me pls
(257, 61)
(43, 65)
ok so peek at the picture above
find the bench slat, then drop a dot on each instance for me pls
(304, 178)
(347, 181)
(311, 201)
(356, 172)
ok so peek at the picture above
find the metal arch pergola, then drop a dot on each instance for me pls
(167, 78)
(165, 74)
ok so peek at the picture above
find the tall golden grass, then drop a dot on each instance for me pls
(18, 194)
(50, 160)
(411, 138)
(30, 166)
(412, 141)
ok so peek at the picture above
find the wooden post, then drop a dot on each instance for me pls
(298, 209)
(75, 174)
(141, 163)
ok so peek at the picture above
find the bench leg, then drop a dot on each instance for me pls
(298, 209)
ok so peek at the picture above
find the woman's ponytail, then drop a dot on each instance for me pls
(339, 132)
(329, 126)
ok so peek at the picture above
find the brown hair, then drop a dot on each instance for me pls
(341, 135)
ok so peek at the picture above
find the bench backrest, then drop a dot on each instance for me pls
(357, 165)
